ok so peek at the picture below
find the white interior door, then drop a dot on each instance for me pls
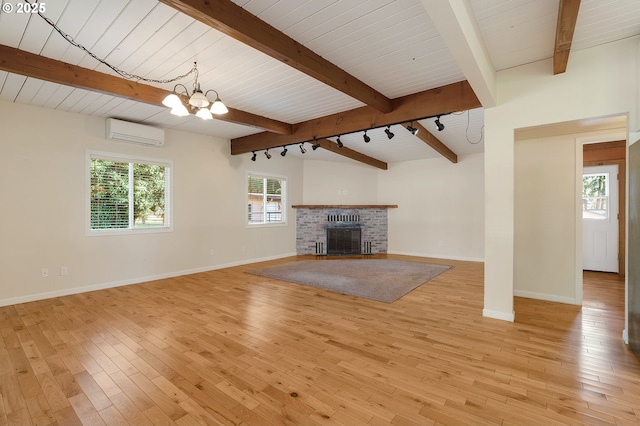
(600, 218)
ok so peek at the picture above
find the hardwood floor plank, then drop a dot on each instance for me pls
(67, 416)
(19, 417)
(132, 391)
(52, 392)
(39, 410)
(229, 348)
(91, 389)
(111, 416)
(129, 410)
(160, 399)
(68, 384)
(12, 398)
(85, 411)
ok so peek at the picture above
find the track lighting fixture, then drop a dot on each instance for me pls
(315, 144)
(197, 100)
(412, 129)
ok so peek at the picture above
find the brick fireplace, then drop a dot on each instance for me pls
(341, 229)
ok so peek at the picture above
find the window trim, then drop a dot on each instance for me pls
(111, 156)
(285, 196)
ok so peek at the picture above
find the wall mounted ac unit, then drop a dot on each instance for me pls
(125, 131)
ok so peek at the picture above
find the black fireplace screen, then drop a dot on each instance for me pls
(343, 240)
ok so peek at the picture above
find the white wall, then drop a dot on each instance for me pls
(440, 204)
(339, 182)
(545, 219)
(599, 82)
(42, 183)
(440, 207)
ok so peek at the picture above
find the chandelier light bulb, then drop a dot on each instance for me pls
(218, 107)
(180, 111)
(172, 100)
(204, 113)
(198, 99)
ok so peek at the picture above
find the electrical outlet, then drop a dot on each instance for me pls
(45, 272)
(63, 271)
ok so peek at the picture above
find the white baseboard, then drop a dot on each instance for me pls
(437, 256)
(625, 336)
(136, 280)
(545, 296)
(504, 316)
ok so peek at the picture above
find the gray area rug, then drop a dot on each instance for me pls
(383, 280)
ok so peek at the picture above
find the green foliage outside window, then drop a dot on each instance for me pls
(127, 195)
(594, 185)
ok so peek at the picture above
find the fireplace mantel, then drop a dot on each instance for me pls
(345, 206)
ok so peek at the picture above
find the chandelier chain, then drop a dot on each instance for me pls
(117, 70)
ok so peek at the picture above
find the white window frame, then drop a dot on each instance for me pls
(284, 195)
(125, 158)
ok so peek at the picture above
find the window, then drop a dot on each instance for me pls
(128, 193)
(595, 196)
(266, 200)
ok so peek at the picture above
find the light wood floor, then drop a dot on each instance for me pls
(226, 347)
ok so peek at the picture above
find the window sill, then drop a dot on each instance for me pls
(133, 231)
(266, 225)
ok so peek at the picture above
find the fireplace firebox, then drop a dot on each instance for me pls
(343, 239)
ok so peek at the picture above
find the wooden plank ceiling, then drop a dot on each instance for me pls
(293, 71)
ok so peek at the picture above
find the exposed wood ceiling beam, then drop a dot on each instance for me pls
(453, 97)
(32, 65)
(435, 143)
(350, 153)
(232, 20)
(567, 18)
(457, 25)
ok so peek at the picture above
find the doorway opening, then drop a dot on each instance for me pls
(603, 206)
(600, 218)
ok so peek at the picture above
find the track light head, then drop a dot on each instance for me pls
(315, 145)
(253, 157)
(302, 148)
(339, 142)
(390, 135)
(366, 138)
(266, 154)
(412, 129)
(284, 151)
(439, 125)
